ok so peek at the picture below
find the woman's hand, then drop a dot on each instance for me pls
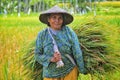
(56, 57)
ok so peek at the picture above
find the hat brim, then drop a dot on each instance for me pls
(68, 18)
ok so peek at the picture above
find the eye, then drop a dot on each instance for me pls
(54, 17)
(60, 18)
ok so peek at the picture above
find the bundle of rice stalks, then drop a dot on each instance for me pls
(32, 68)
(94, 47)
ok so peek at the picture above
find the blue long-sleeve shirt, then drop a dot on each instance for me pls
(67, 43)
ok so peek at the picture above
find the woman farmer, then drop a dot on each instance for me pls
(57, 47)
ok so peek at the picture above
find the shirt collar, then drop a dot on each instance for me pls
(54, 31)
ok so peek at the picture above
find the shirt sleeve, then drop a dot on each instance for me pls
(77, 52)
(39, 56)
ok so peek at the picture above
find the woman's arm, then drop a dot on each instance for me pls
(77, 52)
(39, 56)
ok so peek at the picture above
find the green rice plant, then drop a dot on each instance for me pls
(12, 40)
(115, 21)
(95, 49)
(114, 4)
(5, 70)
(107, 8)
(30, 63)
(112, 75)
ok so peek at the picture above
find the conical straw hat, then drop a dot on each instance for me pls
(68, 18)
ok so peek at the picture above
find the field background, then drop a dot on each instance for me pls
(16, 33)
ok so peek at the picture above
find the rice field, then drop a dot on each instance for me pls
(16, 33)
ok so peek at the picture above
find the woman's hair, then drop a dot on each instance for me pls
(48, 24)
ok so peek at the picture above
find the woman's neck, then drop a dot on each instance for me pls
(54, 31)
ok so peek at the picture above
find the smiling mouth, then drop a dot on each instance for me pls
(57, 24)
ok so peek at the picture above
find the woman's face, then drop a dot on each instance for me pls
(55, 21)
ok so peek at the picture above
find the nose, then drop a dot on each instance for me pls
(56, 20)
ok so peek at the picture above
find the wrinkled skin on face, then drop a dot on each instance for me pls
(55, 20)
